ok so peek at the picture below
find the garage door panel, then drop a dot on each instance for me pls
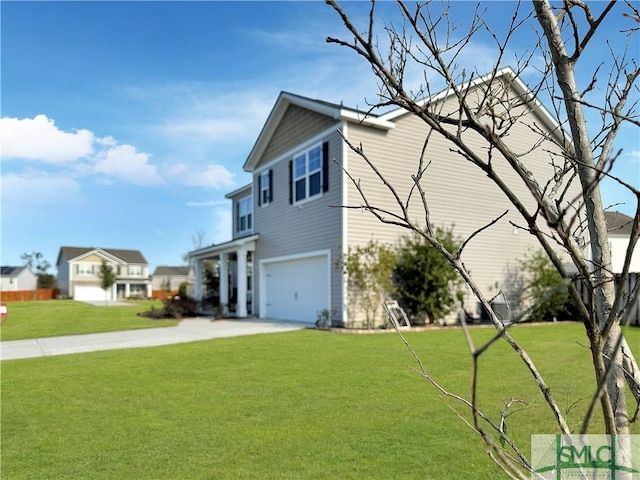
(297, 289)
(90, 293)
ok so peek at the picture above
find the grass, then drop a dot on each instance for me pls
(296, 405)
(67, 317)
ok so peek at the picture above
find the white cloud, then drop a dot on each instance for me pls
(38, 138)
(37, 189)
(208, 203)
(213, 176)
(125, 163)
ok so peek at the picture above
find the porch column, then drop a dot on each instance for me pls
(127, 292)
(198, 281)
(242, 283)
(224, 280)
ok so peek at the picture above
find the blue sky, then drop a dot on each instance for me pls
(124, 124)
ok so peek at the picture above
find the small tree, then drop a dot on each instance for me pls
(36, 261)
(107, 278)
(369, 271)
(545, 288)
(422, 277)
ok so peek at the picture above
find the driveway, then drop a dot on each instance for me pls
(190, 330)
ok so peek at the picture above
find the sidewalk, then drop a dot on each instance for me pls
(190, 330)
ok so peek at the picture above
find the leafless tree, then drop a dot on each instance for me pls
(565, 224)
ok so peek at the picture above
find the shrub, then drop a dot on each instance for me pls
(176, 307)
(369, 271)
(422, 275)
(543, 278)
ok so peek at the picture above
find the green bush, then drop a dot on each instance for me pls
(542, 279)
(422, 275)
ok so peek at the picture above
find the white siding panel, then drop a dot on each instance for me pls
(458, 194)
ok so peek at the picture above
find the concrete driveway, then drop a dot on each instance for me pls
(189, 330)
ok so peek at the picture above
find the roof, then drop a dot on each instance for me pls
(10, 271)
(618, 223)
(127, 256)
(172, 271)
(386, 120)
(335, 111)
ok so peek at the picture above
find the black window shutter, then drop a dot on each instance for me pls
(270, 195)
(259, 189)
(290, 182)
(325, 167)
(237, 217)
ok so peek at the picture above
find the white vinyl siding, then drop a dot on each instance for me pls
(459, 195)
(287, 229)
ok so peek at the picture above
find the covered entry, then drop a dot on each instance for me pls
(295, 288)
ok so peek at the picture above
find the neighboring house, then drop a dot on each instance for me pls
(169, 279)
(289, 232)
(78, 269)
(13, 279)
(619, 226)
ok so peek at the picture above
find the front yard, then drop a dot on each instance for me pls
(297, 405)
(50, 318)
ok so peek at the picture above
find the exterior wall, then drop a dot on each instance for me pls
(297, 125)
(619, 245)
(459, 195)
(158, 282)
(63, 277)
(25, 280)
(286, 229)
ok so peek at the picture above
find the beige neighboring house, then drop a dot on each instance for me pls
(287, 239)
(13, 279)
(78, 269)
(168, 279)
(619, 226)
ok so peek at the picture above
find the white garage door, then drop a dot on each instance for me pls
(89, 293)
(296, 289)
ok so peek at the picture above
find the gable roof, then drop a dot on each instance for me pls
(337, 112)
(11, 271)
(126, 256)
(618, 223)
(172, 271)
(387, 119)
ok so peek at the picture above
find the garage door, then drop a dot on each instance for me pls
(89, 293)
(296, 289)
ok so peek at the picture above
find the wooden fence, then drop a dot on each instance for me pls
(163, 294)
(26, 295)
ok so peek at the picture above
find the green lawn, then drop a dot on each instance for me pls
(296, 405)
(67, 317)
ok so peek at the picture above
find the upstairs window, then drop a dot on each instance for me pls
(309, 173)
(135, 270)
(244, 215)
(265, 188)
(85, 269)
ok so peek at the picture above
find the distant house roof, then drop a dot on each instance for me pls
(128, 256)
(11, 271)
(618, 223)
(171, 271)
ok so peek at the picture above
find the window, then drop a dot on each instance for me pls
(135, 270)
(309, 173)
(84, 269)
(265, 195)
(307, 169)
(244, 215)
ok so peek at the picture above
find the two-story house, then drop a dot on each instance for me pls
(79, 267)
(289, 231)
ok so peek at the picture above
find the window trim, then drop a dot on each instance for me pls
(307, 174)
(248, 199)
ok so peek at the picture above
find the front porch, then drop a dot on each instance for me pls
(233, 263)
